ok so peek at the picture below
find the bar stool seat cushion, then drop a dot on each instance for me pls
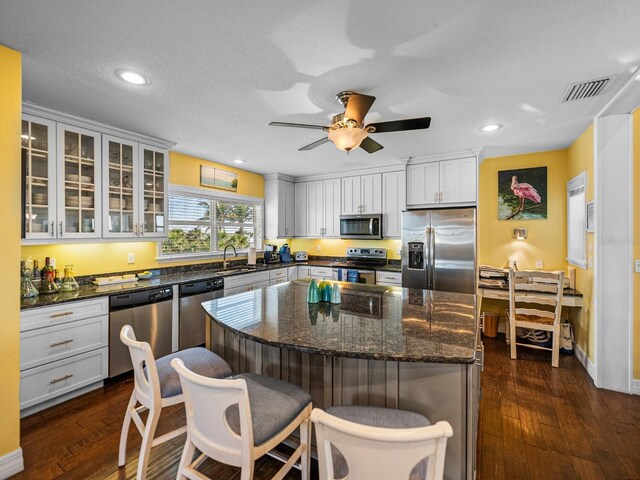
(274, 404)
(381, 418)
(198, 359)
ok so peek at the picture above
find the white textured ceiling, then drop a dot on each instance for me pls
(222, 70)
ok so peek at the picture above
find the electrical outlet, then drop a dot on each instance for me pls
(637, 266)
(539, 263)
(319, 247)
(131, 258)
(398, 251)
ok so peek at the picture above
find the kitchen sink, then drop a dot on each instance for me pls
(238, 270)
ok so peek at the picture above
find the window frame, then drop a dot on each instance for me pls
(576, 186)
(210, 195)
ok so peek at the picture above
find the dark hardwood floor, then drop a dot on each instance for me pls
(536, 422)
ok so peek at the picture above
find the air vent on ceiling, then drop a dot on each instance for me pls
(589, 89)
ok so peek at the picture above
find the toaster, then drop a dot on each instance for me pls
(301, 257)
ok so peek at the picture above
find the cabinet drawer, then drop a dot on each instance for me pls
(61, 341)
(64, 313)
(57, 378)
(245, 288)
(325, 272)
(277, 281)
(245, 279)
(278, 274)
(389, 278)
(304, 272)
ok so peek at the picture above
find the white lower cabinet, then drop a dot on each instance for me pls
(278, 276)
(321, 273)
(304, 271)
(389, 279)
(63, 349)
(245, 282)
(292, 273)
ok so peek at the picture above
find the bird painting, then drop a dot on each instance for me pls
(522, 194)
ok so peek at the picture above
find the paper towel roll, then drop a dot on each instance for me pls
(251, 259)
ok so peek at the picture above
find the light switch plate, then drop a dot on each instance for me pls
(398, 251)
(131, 258)
(539, 263)
(637, 266)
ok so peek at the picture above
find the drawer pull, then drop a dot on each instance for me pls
(64, 342)
(63, 314)
(56, 380)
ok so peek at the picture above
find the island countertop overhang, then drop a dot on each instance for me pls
(372, 322)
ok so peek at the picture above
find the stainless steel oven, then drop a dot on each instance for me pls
(365, 227)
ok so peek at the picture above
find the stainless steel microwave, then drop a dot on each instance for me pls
(366, 227)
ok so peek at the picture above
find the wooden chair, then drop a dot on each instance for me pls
(156, 385)
(535, 302)
(238, 420)
(370, 443)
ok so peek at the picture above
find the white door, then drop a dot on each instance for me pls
(315, 209)
(301, 210)
(394, 198)
(423, 181)
(289, 210)
(458, 180)
(79, 177)
(351, 204)
(121, 187)
(332, 208)
(371, 193)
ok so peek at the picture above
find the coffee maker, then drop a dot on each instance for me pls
(271, 254)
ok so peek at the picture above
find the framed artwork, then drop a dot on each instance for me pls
(591, 222)
(218, 178)
(522, 194)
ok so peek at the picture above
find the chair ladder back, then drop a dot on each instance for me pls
(528, 287)
(147, 386)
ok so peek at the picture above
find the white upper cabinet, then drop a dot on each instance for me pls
(88, 183)
(78, 182)
(315, 209)
(331, 208)
(362, 194)
(279, 208)
(393, 203)
(300, 228)
(447, 182)
(39, 171)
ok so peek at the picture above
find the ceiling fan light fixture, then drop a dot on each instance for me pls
(348, 138)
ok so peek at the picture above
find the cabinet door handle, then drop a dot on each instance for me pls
(440, 197)
(53, 229)
(61, 229)
(60, 379)
(63, 314)
(141, 229)
(135, 229)
(63, 342)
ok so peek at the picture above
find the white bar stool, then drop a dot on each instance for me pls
(370, 443)
(156, 385)
(238, 420)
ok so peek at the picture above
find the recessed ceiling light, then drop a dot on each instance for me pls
(492, 127)
(132, 77)
(237, 160)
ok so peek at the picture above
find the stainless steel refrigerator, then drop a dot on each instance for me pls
(439, 249)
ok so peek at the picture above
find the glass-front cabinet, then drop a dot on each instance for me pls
(154, 187)
(120, 170)
(79, 182)
(39, 177)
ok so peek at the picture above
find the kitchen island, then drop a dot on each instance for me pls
(415, 350)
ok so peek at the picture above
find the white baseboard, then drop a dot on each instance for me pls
(635, 386)
(584, 360)
(11, 463)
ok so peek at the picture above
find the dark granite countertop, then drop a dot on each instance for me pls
(372, 322)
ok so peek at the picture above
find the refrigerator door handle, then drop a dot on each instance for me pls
(432, 254)
(428, 266)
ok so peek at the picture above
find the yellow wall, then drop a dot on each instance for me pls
(98, 258)
(636, 243)
(10, 106)
(547, 239)
(580, 159)
(334, 247)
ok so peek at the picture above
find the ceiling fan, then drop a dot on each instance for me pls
(348, 131)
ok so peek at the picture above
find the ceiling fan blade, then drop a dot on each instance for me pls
(298, 125)
(369, 145)
(358, 106)
(315, 144)
(400, 125)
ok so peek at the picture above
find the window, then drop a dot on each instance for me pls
(577, 220)
(201, 224)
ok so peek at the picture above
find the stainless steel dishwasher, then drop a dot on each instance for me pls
(149, 314)
(192, 321)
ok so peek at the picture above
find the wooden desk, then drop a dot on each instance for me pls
(568, 300)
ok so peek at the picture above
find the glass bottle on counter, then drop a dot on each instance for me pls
(37, 274)
(48, 284)
(69, 283)
(27, 288)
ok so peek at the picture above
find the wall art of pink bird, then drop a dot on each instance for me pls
(522, 191)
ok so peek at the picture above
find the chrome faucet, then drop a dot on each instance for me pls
(224, 255)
